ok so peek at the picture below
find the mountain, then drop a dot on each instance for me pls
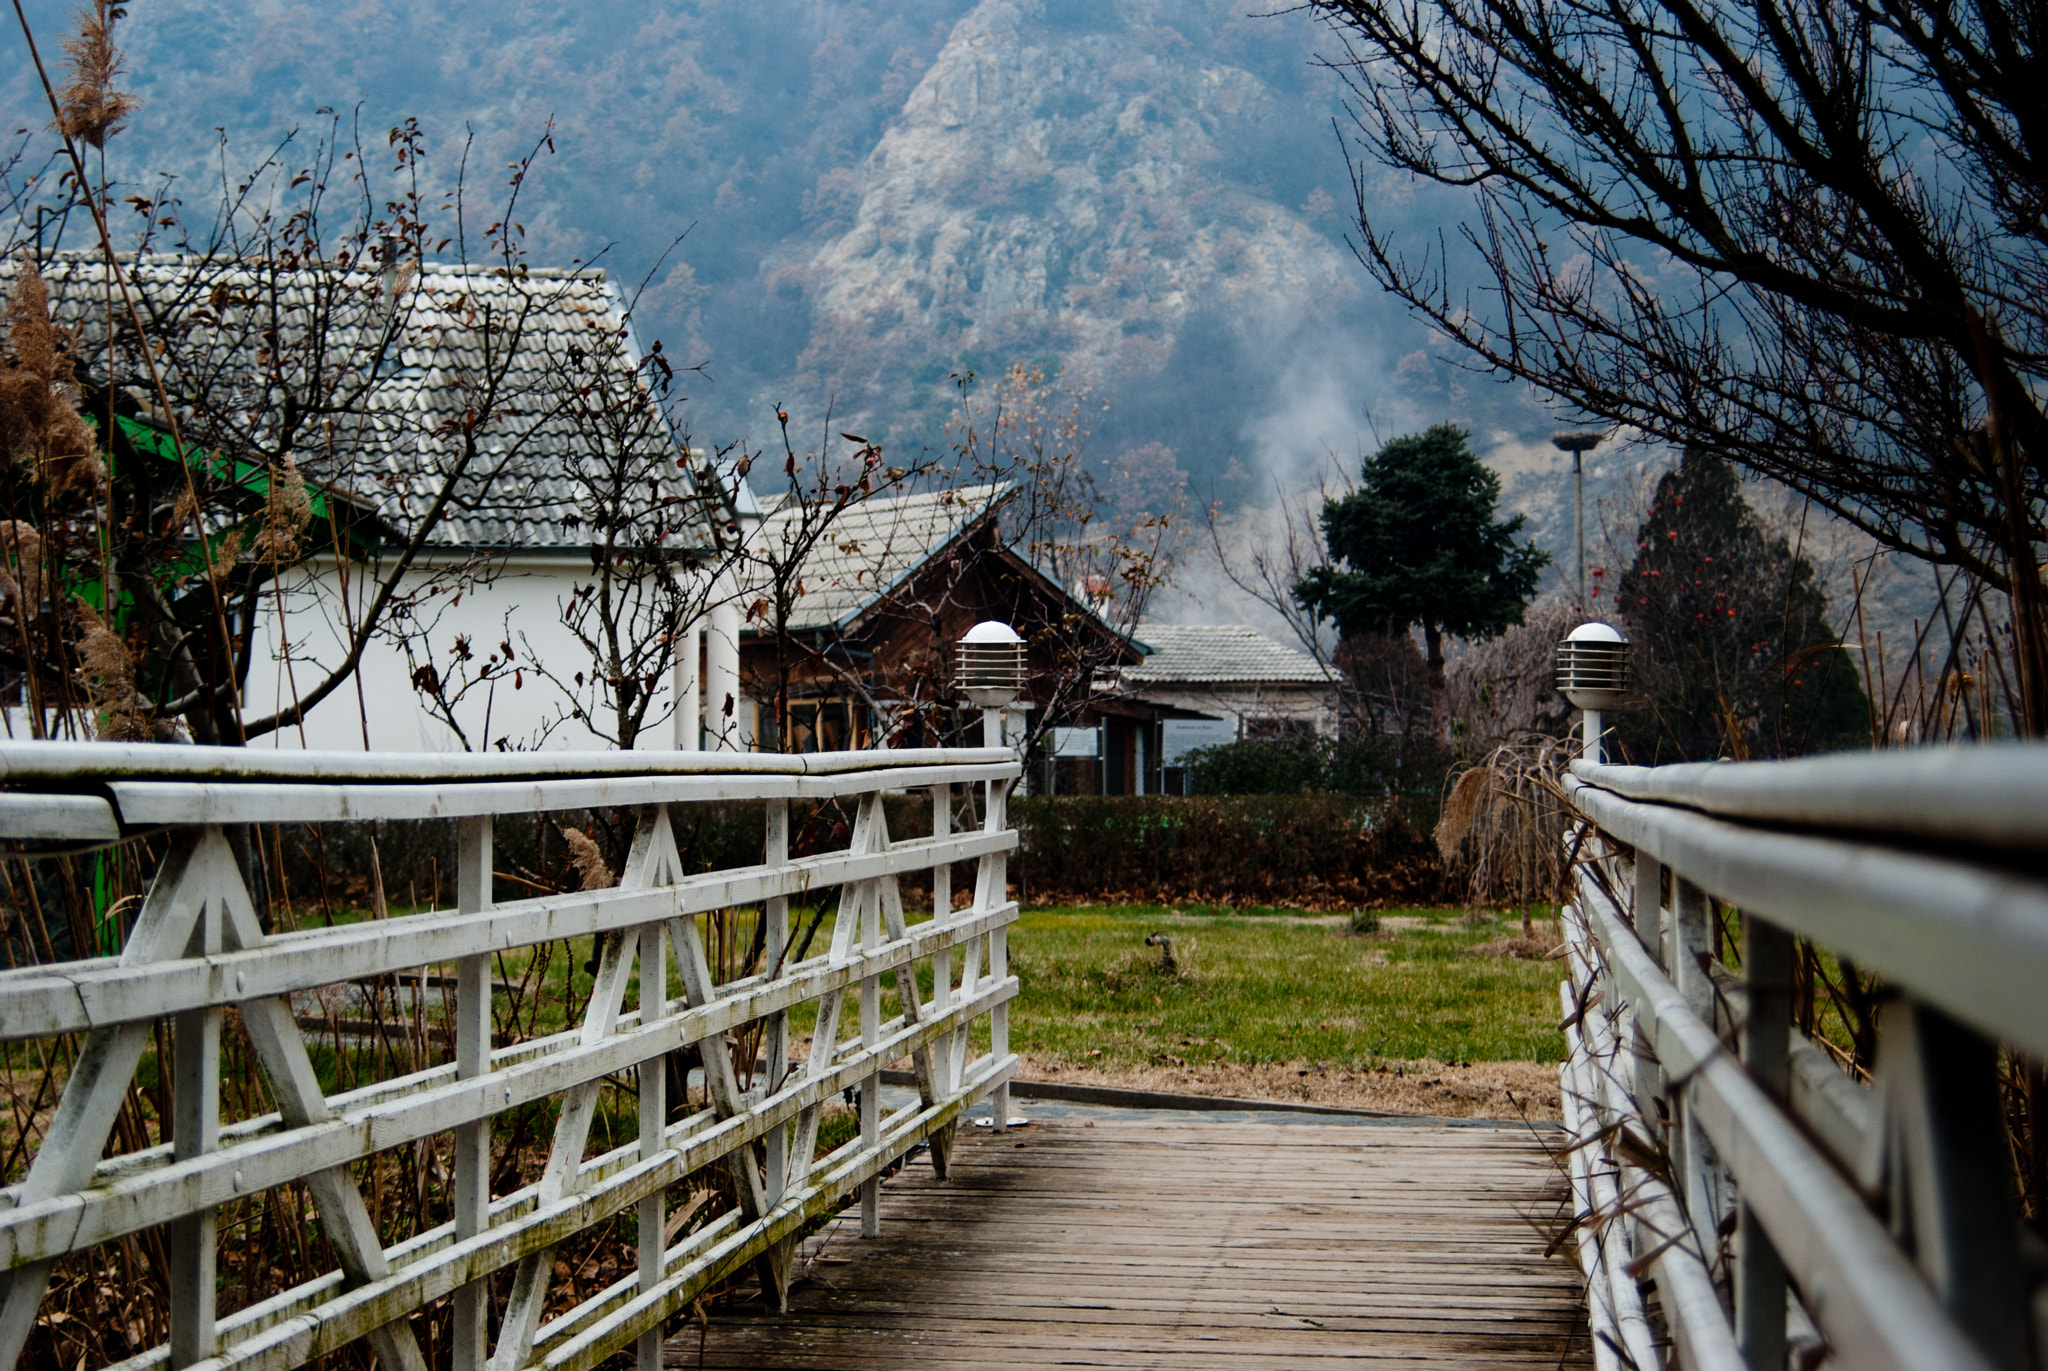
(1125, 190)
(878, 194)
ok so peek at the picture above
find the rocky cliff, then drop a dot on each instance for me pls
(879, 194)
(1073, 193)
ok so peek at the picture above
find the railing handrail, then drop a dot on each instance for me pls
(23, 761)
(96, 793)
(1991, 795)
(1968, 937)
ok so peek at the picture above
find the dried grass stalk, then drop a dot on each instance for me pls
(1460, 809)
(226, 553)
(40, 426)
(108, 674)
(21, 564)
(588, 861)
(286, 515)
(1505, 821)
(91, 109)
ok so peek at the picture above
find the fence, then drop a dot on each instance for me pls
(196, 949)
(1777, 1203)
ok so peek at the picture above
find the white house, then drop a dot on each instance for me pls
(398, 362)
(1208, 684)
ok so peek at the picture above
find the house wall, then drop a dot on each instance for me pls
(522, 606)
(900, 647)
(1248, 707)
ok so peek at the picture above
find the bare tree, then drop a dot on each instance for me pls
(1505, 687)
(1008, 513)
(659, 521)
(1267, 564)
(903, 575)
(1383, 684)
(1110, 556)
(773, 566)
(1807, 235)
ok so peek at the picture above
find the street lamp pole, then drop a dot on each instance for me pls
(1578, 444)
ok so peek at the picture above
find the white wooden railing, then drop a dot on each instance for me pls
(196, 949)
(1774, 1203)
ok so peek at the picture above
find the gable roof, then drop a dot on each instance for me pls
(875, 546)
(236, 318)
(1219, 654)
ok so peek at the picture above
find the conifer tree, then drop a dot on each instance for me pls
(1733, 651)
(1417, 546)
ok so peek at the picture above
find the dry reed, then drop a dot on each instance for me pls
(1504, 825)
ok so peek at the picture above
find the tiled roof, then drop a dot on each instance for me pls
(399, 427)
(873, 546)
(1218, 654)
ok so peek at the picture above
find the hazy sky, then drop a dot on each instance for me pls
(760, 129)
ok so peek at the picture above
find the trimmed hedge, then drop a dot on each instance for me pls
(331, 862)
(1311, 851)
(1375, 765)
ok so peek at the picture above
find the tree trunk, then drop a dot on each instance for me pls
(1439, 715)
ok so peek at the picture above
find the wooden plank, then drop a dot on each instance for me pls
(1194, 1245)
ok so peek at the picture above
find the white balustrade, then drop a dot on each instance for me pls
(196, 949)
(1776, 1203)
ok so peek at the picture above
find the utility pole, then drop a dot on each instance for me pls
(1578, 444)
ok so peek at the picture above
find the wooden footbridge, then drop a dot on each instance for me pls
(1145, 1239)
(1723, 1194)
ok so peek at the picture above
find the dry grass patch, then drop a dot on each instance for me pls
(1475, 1090)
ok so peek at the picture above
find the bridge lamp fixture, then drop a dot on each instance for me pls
(1592, 672)
(988, 669)
(1578, 445)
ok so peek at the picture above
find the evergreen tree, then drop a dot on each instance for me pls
(1419, 546)
(1733, 652)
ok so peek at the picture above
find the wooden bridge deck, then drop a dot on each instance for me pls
(1129, 1242)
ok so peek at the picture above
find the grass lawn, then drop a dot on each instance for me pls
(1250, 986)
(1254, 987)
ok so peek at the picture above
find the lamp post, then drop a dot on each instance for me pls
(1592, 672)
(989, 671)
(1578, 445)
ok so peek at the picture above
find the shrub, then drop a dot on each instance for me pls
(1304, 850)
(1319, 851)
(1367, 766)
(1281, 767)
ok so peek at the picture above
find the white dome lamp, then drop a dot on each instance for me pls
(989, 670)
(1592, 672)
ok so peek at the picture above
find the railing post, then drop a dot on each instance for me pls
(471, 1337)
(1950, 1173)
(869, 908)
(774, 1267)
(1699, 1168)
(1648, 913)
(1766, 1045)
(1649, 921)
(653, 1110)
(994, 890)
(195, 1049)
(775, 1030)
(949, 1064)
